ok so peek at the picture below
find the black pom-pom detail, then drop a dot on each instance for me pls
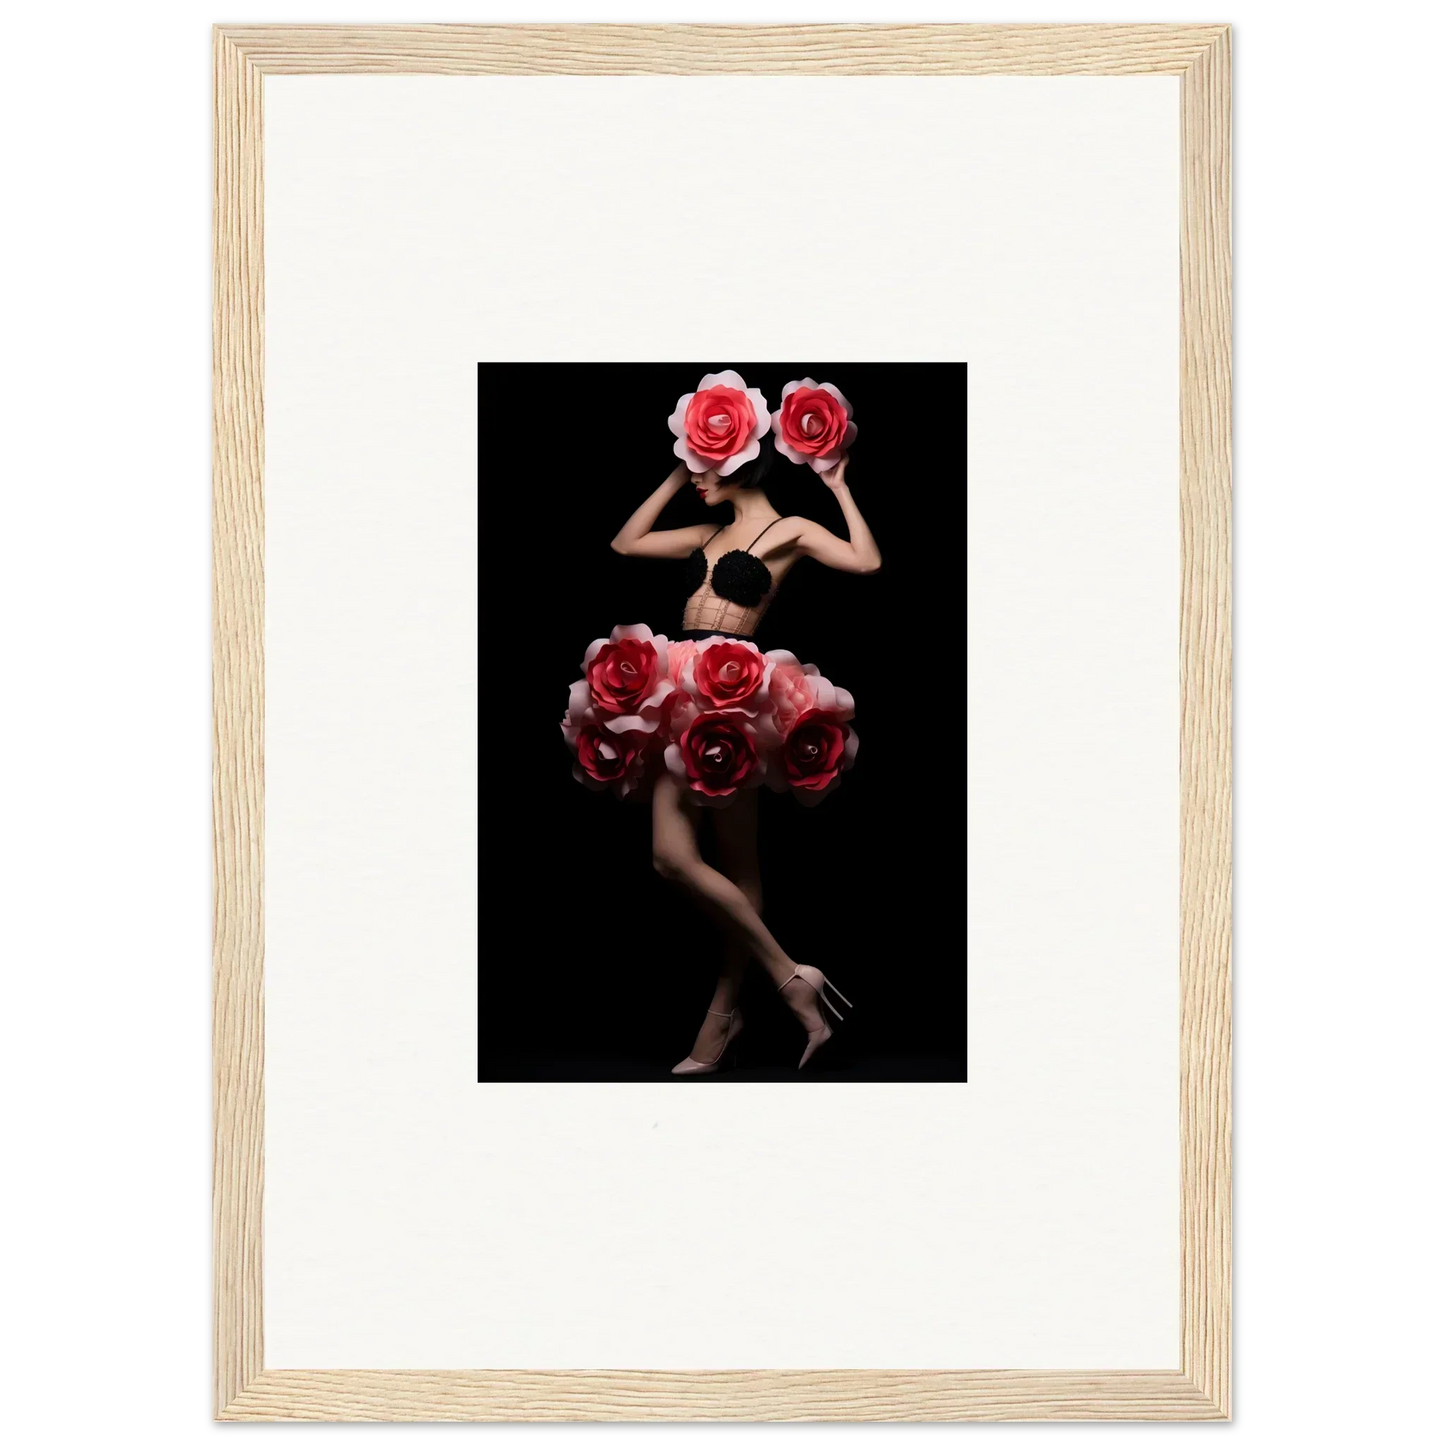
(694, 570)
(742, 578)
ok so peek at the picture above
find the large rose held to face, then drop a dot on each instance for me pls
(814, 425)
(716, 755)
(719, 425)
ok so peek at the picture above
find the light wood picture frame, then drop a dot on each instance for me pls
(1199, 1388)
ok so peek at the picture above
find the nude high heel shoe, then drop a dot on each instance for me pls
(820, 983)
(691, 1065)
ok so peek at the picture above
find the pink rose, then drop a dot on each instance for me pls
(719, 425)
(716, 755)
(788, 689)
(679, 654)
(725, 674)
(627, 678)
(814, 426)
(815, 752)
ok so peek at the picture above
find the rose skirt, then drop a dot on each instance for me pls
(717, 714)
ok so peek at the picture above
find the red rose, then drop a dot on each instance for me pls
(811, 422)
(718, 422)
(726, 674)
(608, 757)
(715, 755)
(622, 675)
(815, 751)
(718, 426)
(814, 424)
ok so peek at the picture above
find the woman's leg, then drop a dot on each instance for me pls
(736, 831)
(676, 857)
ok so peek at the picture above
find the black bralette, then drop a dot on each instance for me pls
(737, 576)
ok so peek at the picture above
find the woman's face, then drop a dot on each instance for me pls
(713, 489)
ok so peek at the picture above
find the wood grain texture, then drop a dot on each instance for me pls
(723, 49)
(559, 1395)
(237, 711)
(1200, 1389)
(1205, 847)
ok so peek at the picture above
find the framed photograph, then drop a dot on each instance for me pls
(722, 716)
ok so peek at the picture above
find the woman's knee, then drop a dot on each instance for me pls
(673, 864)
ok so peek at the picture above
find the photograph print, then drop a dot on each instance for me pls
(722, 812)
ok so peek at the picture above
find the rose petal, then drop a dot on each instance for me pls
(810, 799)
(792, 456)
(722, 378)
(630, 722)
(690, 458)
(655, 697)
(738, 458)
(762, 417)
(675, 421)
(579, 698)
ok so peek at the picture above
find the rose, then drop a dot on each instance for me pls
(719, 425)
(627, 677)
(715, 754)
(807, 716)
(724, 674)
(613, 749)
(789, 691)
(814, 426)
(610, 759)
(794, 689)
(617, 711)
(679, 654)
(817, 749)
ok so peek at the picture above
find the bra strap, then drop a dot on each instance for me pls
(763, 533)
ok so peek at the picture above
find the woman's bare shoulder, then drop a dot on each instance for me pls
(789, 529)
(797, 530)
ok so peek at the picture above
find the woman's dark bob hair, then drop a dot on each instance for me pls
(753, 473)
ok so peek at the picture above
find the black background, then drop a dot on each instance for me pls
(591, 967)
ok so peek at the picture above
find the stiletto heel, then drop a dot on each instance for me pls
(821, 984)
(691, 1065)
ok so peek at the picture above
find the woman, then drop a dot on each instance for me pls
(735, 572)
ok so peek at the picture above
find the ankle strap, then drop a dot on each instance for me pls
(720, 1014)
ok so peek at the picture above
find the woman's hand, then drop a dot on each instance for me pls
(860, 552)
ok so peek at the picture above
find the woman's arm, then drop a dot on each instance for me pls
(860, 552)
(637, 539)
